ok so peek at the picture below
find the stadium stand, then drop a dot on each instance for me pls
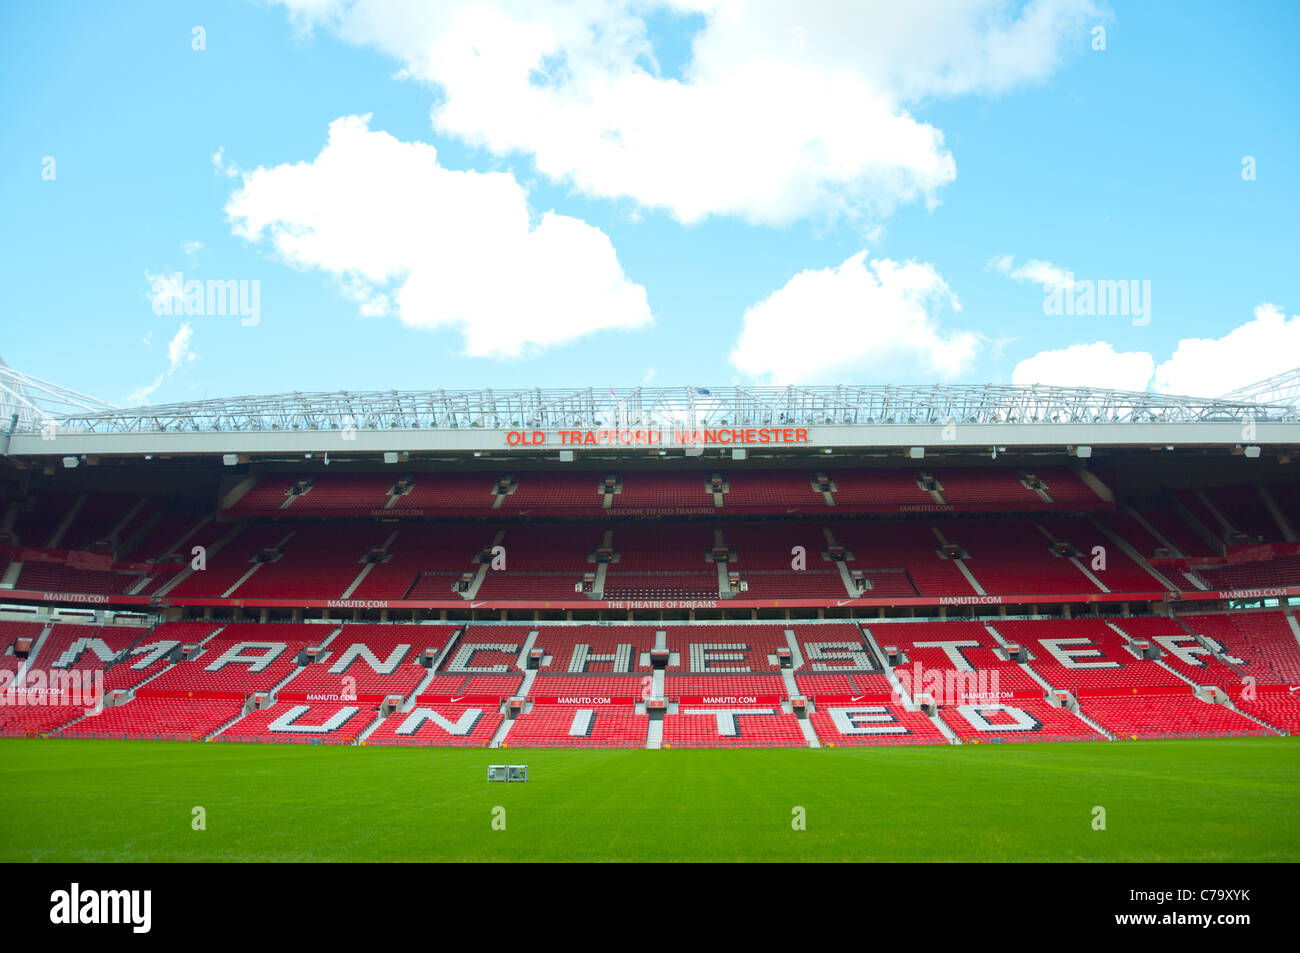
(762, 585)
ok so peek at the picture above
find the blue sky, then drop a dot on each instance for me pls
(704, 196)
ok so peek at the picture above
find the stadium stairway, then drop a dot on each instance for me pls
(724, 584)
(175, 547)
(1226, 529)
(230, 724)
(380, 718)
(1074, 560)
(35, 652)
(188, 571)
(420, 689)
(68, 519)
(279, 546)
(654, 735)
(904, 696)
(960, 564)
(499, 737)
(365, 570)
(805, 725)
(1270, 504)
(1207, 536)
(1132, 554)
(471, 591)
(792, 691)
(11, 574)
(1134, 514)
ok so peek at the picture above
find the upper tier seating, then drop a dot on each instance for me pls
(485, 493)
(772, 490)
(1121, 574)
(227, 565)
(449, 550)
(1014, 557)
(38, 519)
(1246, 511)
(912, 546)
(663, 490)
(1282, 571)
(1170, 524)
(58, 577)
(317, 562)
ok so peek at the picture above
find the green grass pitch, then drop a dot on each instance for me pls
(84, 801)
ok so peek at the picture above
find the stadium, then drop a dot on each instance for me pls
(869, 569)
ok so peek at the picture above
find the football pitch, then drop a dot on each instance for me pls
(95, 801)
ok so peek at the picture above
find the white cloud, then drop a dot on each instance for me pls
(1266, 345)
(1051, 277)
(440, 248)
(857, 322)
(141, 395)
(180, 351)
(191, 248)
(221, 167)
(784, 110)
(1087, 365)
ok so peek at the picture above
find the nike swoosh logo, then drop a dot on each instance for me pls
(843, 602)
(792, 509)
(1293, 688)
(458, 698)
(475, 605)
(857, 698)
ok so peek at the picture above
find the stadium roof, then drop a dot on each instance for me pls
(41, 415)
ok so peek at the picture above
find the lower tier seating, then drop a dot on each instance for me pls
(1021, 719)
(439, 725)
(316, 722)
(1165, 716)
(575, 726)
(732, 726)
(874, 723)
(179, 719)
